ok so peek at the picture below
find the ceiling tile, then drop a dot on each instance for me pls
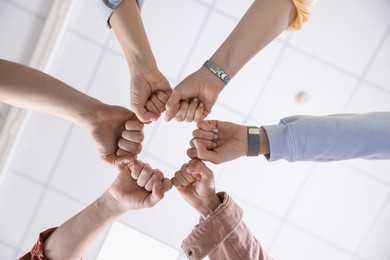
(270, 186)
(331, 200)
(39, 146)
(18, 38)
(375, 245)
(18, 200)
(80, 166)
(172, 35)
(292, 243)
(87, 21)
(54, 209)
(303, 85)
(368, 98)
(75, 61)
(334, 32)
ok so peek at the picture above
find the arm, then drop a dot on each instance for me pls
(73, 238)
(28, 88)
(262, 23)
(149, 88)
(221, 233)
(299, 138)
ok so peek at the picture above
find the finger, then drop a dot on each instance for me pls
(158, 103)
(133, 136)
(203, 153)
(134, 125)
(187, 175)
(180, 178)
(128, 146)
(205, 135)
(192, 153)
(136, 169)
(177, 184)
(145, 175)
(156, 176)
(163, 96)
(191, 110)
(124, 161)
(200, 113)
(122, 153)
(143, 115)
(150, 106)
(158, 190)
(182, 112)
(207, 125)
(173, 104)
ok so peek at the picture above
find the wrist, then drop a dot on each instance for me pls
(209, 206)
(114, 202)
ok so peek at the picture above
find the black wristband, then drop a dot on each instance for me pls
(253, 140)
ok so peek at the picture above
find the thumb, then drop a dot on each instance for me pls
(172, 105)
(197, 167)
(158, 190)
(145, 116)
(122, 162)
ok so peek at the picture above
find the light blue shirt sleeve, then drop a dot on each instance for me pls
(330, 138)
(106, 8)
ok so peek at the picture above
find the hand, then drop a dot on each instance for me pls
(144, 191)
(195, 182)
(202, 85)
(218, 141)
(149, 92)
(107, 127)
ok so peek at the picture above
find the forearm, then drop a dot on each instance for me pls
(73, 238)
(262, 23)
(25, 87)
(128, 27)
(328, 138)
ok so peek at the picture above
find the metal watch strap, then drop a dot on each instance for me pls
(217, 71)
(253, 140)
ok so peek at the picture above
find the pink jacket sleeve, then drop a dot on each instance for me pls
(223, 235)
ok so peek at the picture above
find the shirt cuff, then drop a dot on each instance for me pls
(281, 145)
(302, 14)
(213, 230)
(107, 7)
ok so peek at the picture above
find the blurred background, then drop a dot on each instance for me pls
(338, 63)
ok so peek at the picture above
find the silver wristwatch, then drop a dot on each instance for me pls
(217, 71)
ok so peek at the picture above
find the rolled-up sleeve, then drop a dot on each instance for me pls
(107, 7)
(223, 235)
(302, 14)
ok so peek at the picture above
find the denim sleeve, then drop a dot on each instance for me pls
(330, 138)
(106, 7)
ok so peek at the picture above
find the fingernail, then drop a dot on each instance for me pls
(166, 117)
(195, 100)
(190, 168)
(215, 130)
(153, 119)
(196, 144)
(215, 145)
(215, 136)
(201, 105)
